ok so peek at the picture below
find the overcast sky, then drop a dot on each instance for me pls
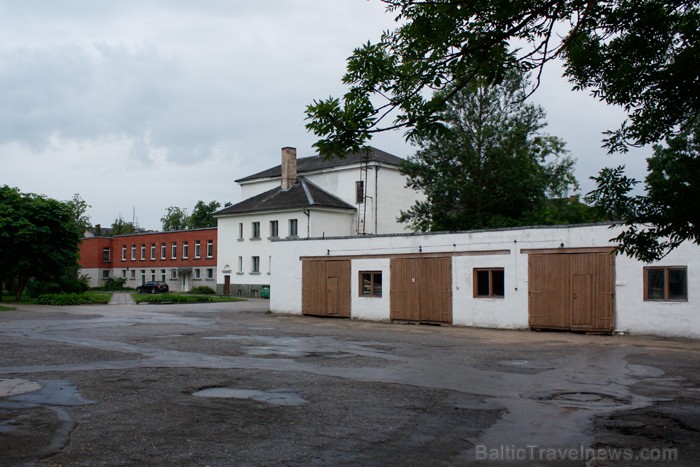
(141, 105)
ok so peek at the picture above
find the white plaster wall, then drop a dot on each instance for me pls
(370, 308)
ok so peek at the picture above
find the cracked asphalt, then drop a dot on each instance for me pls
(230, 384)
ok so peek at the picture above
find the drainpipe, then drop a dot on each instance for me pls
(308, 221)
(376, 196)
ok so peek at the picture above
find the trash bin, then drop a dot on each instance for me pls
(265, 291)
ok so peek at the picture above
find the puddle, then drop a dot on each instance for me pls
(51, 392)
(583, 400)
(286, 397)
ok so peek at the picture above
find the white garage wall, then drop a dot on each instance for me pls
(633, 314)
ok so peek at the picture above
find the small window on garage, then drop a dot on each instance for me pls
(370, 283)
(668, 283)
(489, 283)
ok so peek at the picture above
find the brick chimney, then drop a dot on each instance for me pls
(289, 167)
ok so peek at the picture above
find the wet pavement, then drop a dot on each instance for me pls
(230, 384)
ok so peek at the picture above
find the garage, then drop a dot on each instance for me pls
(421, 289)
(326, 287)
(572, 289)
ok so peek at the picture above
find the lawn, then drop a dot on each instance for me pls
(181, 298)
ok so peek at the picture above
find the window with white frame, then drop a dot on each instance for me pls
(132, 275)
(133, 252)
(173, 250)
(162, 275)
(185, 250)
(153, 251)
(124, 273)
(143, 252)
(293, 227)
(123, 252)
(197, 273)
(173, 274)
(143, 276)
(106, 254)
(197, 248)
(210, 248)
(163, 251)
(255, 231)
(255, 265)
(274, 229)
(153, 275)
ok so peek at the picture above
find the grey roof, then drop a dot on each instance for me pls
(303, 194)
(314, 163)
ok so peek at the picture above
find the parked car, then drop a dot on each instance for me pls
(152, 287)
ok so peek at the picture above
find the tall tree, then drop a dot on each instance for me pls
(203, 215)
(39, 238)
(175, 219)
(667, 214)
(79, 207)
(491, 167)
(122, 227)
(643, 56)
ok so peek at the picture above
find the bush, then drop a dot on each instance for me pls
(62, 299)
(36, 288)
(203, 290)
(114, 283)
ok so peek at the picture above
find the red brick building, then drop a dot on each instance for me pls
(183, 259)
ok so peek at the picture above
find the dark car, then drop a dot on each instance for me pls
(152, 287)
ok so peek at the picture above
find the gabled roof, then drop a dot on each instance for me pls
(315, 163)
(303, 194)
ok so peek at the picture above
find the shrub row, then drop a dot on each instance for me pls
(202, 290)
(63, 299)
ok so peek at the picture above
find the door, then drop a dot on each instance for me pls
(421, 289)
(227, 285)
(571, 291)
(326, 288)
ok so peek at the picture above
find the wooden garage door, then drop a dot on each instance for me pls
(573, 291)
(325, 289)
(421, 289)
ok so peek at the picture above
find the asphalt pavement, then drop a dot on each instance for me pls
(232, 384)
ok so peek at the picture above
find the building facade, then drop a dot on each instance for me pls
(562, 277)
(361, 194)
(183, 259)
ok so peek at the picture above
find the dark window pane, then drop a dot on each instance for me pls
(677, 284)
(498, 278)
(655, 284)
(377, 284)
(482, 283)
(366, 283)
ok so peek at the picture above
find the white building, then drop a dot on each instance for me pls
(560, 277)
(360, 194)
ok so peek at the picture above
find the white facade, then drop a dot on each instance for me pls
(507, 249)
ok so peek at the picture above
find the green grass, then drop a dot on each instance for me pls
(59, 299)
(181, 298)
(7, 308)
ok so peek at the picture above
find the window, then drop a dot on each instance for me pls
(240, 231)
(124, 273)
(162, 275)
(153, 251)
(133, 252)
(106, 254)
(292, 227)
(255, 265)
(256, 231)
(173, 274)
(210, 248)
(133, 274)
(153, 275)
(143, 252)
(489, 282)
(185, 250)
(105, 274)
(163, 251)
(666, 283)
(274, 229)
(370, 283)
(197, 273)
(143, 276)
(210, 273)
(240, 265)
(197, 248)
(173, 250)
(123, 252)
